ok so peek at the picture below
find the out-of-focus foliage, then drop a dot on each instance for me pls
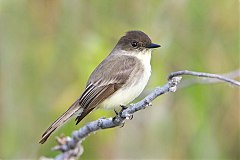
(49, 48)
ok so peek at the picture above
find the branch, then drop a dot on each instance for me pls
(71, 147)
(216, 77)
(202, 80)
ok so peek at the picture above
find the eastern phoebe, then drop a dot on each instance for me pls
(117, 80)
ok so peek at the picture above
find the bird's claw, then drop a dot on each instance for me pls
(130, 117)
(149, 104)
(120, 112)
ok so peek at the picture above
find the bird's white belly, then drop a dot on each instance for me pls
(125, 95)
(128, 93)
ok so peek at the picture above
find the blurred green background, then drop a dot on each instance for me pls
(49, 48)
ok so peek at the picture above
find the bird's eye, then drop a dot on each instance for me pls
(134, 44)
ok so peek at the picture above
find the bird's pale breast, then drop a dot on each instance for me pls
(131, 90)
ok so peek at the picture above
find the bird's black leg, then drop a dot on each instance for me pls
(115, 111)
(123, 107)
(118, 114)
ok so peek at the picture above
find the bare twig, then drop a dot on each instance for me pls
(71, 147)
(202, 80)
(209, 75)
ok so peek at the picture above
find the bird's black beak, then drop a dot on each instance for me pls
(152, 45)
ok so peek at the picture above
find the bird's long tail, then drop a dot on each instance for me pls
(63, 118)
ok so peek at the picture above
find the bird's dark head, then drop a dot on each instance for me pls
(135, 41)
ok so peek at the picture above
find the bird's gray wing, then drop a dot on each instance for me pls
(105, 81)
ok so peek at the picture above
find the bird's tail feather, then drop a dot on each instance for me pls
(63, 118)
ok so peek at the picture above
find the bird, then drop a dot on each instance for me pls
(116, 81)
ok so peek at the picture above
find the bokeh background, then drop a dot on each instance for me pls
(49, 48)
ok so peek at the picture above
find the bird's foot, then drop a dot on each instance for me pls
(129, 116)
(120, 112)
(120, 117)
(118, 120)
(123, 107)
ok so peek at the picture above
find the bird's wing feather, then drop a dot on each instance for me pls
(103, 86)
(99, 95)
